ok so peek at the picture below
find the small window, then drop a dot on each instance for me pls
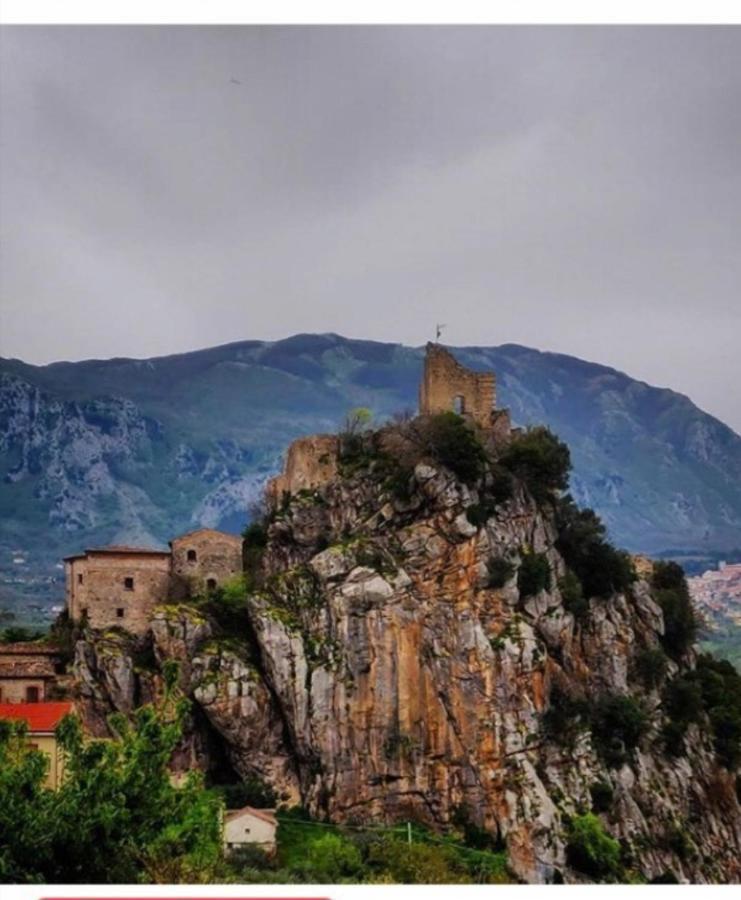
(83, 610)
(211, 584)
(246, 831)
(32, 746)
(32, 695)
(192, 556)
(459, 404)
(120, 612)
(79, 578)
(129, 584)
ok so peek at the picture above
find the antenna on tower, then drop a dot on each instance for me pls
(439, 330)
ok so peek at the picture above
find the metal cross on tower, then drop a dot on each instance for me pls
(439, 330)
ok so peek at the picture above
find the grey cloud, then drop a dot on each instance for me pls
(575, 189)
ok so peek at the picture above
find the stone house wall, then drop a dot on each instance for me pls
(16, 689)
(448, 386)
(118, 588)
(203, 560)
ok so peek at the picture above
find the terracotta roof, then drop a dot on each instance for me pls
(122, 548)
(266, 815)
(35, 668)
(28, 648)
(40, 717)
(188, 534)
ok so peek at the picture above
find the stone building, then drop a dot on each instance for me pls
(447, 386)
(120, 585)
(204, 559)
(41, 720)
(26, 672)
(117, 585)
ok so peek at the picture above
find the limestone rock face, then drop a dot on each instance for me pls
(383, 679)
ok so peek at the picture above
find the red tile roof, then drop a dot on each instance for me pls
(28, 648)
(267, 815)
(40, 717)
(122, 549)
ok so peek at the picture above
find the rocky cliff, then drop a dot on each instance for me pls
(394, 664)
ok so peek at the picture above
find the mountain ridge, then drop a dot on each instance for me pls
(100, 450)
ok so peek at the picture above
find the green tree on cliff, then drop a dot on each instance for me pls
(117, 817)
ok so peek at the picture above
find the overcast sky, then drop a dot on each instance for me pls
(571, 189)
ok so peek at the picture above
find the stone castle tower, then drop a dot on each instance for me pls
(448, 386)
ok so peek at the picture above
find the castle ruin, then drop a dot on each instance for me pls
(448, 386)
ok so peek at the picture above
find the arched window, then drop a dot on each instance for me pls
(192, 556)
(459, 404)
(211, 584)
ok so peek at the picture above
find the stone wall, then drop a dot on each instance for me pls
(203, 560)
(310, 462)
(15, 689)
(449, 386)
(23, 666)
(117, 588)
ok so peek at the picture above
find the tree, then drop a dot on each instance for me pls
(540, 460)
(117, 817)
(453, 443)
(601, 568)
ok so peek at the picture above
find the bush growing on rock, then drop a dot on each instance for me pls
(540, 460)
(680, 619)
(572, 596)
(650, 666)
(602, 796)
(453, 443)
(500, 570)
(534, 574)
(591, 850)
(618, 722)
(601, 569)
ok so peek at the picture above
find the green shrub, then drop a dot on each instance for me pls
(618, 722)
(453, 444)
(602, 796)
(251, 791)
(500, 570)
(567, 716)
(227, 607)
(572, 596)
(499, 486)
(15, 634)
(478, 514)
(601, 569)
(534, 574)
(332, 859)
(417, 863)
(540, 460)
(591, 851)
(666, 877)
(673, 596)
(650, 666)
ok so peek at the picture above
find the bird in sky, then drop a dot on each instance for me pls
(234, 81)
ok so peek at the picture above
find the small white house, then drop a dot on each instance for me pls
(250, 826)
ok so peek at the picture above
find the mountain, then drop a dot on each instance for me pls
(138, 450)
(412, 648)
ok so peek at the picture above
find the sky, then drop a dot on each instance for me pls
(567, 188)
